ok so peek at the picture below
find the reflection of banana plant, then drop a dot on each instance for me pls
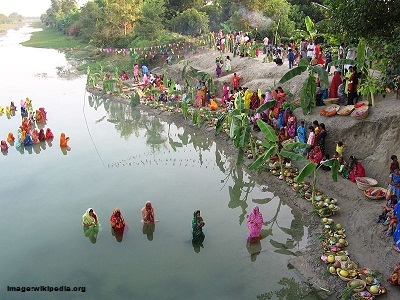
(291, 289)
(154, 133)
(135, 99)
(307, 92)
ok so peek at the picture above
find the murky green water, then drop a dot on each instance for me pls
(121, 157)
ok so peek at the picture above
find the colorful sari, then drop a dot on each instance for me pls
(225, 94)
(255, 222)
(291, 126)
(357, 171)
(396, 234)
(333, 88)
(117, 220)
(394, 190)
(63, 140)
(89, 220)
(197, 224)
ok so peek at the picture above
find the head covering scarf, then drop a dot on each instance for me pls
(117, 220)
(255, 222)
(148, 213)
(89, 220)
(197, 229)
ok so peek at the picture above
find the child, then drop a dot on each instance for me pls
(341, 94)
(395, 164)
(318, 94)
(301, 132)
(316, 127)
(339, 148)
(311, 138)
(291, 58)
(228, 66)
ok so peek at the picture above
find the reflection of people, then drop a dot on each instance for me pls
(254, 248)
(254, 223)
(148, 213)
(63, 140)
(198, 235)
(90, 224)
(118, 233)
(148, 229)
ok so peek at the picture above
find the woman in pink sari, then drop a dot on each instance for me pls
(254, 223)
(225, 93)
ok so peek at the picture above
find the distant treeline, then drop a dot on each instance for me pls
(13, 18)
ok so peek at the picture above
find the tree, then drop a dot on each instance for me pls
(151, 24)
(90, 19)
(190, 22)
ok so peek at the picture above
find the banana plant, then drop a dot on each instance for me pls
(272, 146)
(307, 92)
(370, 84)
(312, 168)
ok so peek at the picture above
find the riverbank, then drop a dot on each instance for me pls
(367, 244)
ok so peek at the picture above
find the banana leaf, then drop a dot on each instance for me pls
(262, 159)
(292, 155)
(248, 111)
(308, 169)
(307, 99)
(239, 159)
(293, 73)
(292, 146)
(340, 62)
(334, 164)
(265, 106)
(245, 136)
(310, 26)
(262, 201)
(184, 107)
(267, 130)
(220, 122)
(323, 76)
(304, 62)
(267, 144)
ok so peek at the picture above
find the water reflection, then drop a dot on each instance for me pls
(291, 289)
(254, 248)
(241, 185)
(118, 233)
(148, 229)
(91, 233)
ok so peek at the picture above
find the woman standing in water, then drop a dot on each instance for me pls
(148, 213)
(197, 224)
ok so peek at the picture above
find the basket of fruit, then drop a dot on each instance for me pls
(358, 285)
(375, 193)
(376, 290)
(345, 110)
(360, 113)
(364, 183)
(330, 110)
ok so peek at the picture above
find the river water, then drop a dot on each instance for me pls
(122, 157)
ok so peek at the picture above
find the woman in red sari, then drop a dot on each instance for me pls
(336, 81)
(117, 220)
(318, 54)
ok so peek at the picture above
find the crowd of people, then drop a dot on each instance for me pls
(31, 131)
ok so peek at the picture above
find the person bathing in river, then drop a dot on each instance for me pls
(148, 213)
(63, 140)
(254, 223)
(89, 218)
(117, 221)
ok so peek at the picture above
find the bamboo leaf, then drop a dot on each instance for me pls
(292, 155)
(267, 130)
(293, 73)
(308, 169)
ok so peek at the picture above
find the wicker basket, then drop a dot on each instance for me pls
(329, 101)
(345, 110)
(360, 282)
(343, 278)
(360, 113)
(364, 183)
(372, 197)
(330, 110)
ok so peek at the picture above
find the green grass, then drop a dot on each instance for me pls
(54, 39)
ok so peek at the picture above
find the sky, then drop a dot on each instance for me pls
(27, 8)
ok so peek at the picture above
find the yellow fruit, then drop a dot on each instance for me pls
(331, 206)
(342, 241)
(369, 279)
(332, 269)
(338, 226)
(344, 273)
(331, 258)
(325, 220)
(374, 289)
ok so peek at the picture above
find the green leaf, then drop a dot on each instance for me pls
(267, 130)
(334, 164)
(307, 98)
(267, 144)
(245, 136)
(293, 73)
(310, 26)
(295, 145)
(262, 159)
(340, 62)
(304, 62)
(292, 156)
(239, 159)
(265, 106)
(220, 122)
(323, 76)
(308, 169)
